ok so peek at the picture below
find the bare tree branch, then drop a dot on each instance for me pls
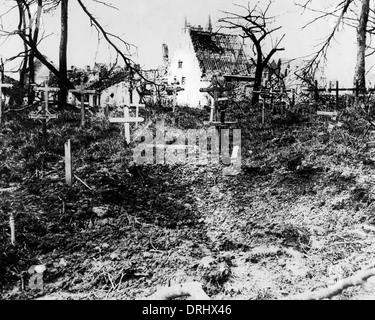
(254, 25)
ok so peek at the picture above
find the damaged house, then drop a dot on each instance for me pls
(201, 54)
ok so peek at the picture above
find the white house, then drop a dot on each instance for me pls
(199, 55)
(119, 94)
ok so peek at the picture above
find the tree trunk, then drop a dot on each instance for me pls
(63, 53)
(35, 36)
(258, 78)
(360, 70)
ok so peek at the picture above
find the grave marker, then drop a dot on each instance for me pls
(43, 113)
(214, 89)
(81, 90)
(126, 120)
(68, 164)
(263, 95)
(175, 91)
(2, 85)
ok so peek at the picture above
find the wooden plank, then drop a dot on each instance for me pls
(231, 77)
(126, 120)
(127, 124)
(216, 123)
(326, 113)
(222, 99)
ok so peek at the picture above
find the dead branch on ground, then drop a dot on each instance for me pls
(189, 289)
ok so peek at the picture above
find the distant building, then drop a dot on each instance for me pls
(119, 94)
(199, 55)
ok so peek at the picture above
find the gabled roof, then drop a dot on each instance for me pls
(219, 52)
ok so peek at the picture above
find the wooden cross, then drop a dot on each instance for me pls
(126, 120)
(46, 89)
(214, 89)
(263, 95)
(175, 90)
(81, 90)
(2, 85)
(43, 113)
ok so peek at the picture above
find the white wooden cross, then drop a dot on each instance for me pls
(2, 85)
(126, 120)
(81, 90)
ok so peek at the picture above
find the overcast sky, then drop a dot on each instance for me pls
(149, 23)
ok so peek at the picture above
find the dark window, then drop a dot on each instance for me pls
(180, 64)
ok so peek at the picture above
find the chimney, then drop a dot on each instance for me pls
(87, 68)
(165, 52)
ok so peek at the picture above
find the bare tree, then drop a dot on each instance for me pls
(28, 30)
(255, 26)
(345, 14)
(63, 62)
(360, 69)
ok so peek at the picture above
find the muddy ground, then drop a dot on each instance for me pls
(299, 216)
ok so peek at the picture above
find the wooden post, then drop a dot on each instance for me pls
(2, 85)
(316, 91)
(127, 125)
(212, 111)
(68, 164)
(337, 95)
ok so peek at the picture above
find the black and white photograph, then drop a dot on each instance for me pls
(187, 150)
